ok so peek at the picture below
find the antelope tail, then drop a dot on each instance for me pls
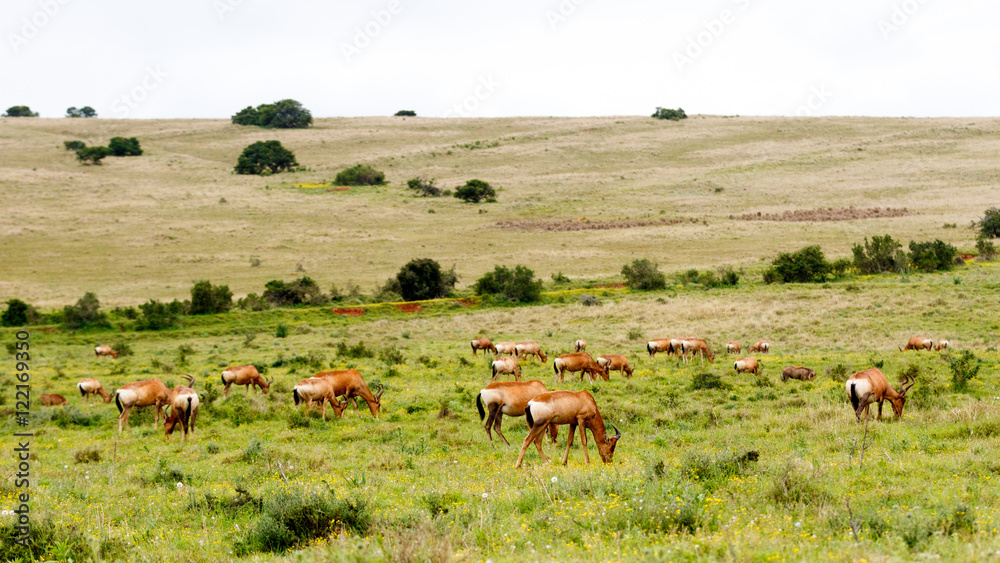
(479, 405)
(82, 392)
(118, 402)
(223, 378)
(854, 398)
(295, 395)
(187, 413)
(527, 414)
(555, 368)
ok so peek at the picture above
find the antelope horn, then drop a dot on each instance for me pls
(381, 389)
(618, 433)
(906, 387)
(270, 381)
(190, 379)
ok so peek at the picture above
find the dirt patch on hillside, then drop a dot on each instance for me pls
(583, 224)
(349, 312)
(826, 214)
(466, 302)
(409, 307)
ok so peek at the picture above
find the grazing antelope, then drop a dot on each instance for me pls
(508, 348)
(318, 389)
(734, 348)
(530, 349)
(349, 384)
(759, 347)
(797, 372)
(141, 394)
(105, 351)
(508, 398)
(483, 344)
(581, 362)
(580, 345)
(184, 404)
(918, 343)
(576, 408)
(615, 363)
(746, 365)
(943, 345)
(244, 375)
(660, 345)
(52, 400)
(869, 386)
(505, 365)
(89, 387)
(692, 346)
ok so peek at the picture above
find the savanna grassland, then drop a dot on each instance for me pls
(711, 465)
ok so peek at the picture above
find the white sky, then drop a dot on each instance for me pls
(210, 58)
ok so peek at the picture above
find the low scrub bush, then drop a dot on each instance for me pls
(120, 146)
(589, 300)
(92, 155)
(643, 274)
(518, 285)
(265, 157)
(425, 188)
(74, 145)
(797, 483)
(881, 254)
(359, 350)
(932, 256)
(294, 519)
(423, 278)
(714, 471)
(985, 249)
(160, 316)
(964, 368)
(392, 355)
(208, 299)
(671, 114)
(708, 381)
(18, 313)
(299, 292)
(47, 542)
(87, 455)
(360, 175)
(475, 191)
(86, 313)
(804, 266)
(169, 475)
(989, 225)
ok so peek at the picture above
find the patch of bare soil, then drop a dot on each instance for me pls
(409, 307)
(583, 224)
(826, 214)
(349, 311)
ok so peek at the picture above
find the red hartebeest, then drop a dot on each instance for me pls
(508, 398)
(869, 386)
(52, 399)
(615, 363)
(918, 343)
(140, 394)
(692, 346)
(580, 345)
(105, 351)
(349, 384)
(581, 362)
(797, 372)
(746, 365)
(506, 348)
(734, 348)
(523, 349)
(942, 345)
(244, 375)
(483, 344)
(320, 389)
(576, 408)
(184, 404)
(505, 365)
(759, 347)
(89, 387)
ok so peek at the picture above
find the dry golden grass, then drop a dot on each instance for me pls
(147, 227)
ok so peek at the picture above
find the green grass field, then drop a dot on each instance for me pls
(752, 470)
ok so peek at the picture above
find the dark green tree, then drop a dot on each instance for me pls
(301, 291)
(422, 278)
(120, 146)
(20, 111)
(360, 175)
(882, 254)
(16, 314)
(284, 114)
(85, 313)
(406, 113)
(247, 116)
(207, 298)
(806, 265)
(475, 191)
(74, 145)
(423, 187)
(989, 225)
(265, 155)
(518, 285)
(932, 256)
(85, 111)
(671, 114)
(92, 155)
(643, 274)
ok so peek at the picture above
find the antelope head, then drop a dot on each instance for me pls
(900, 399)
(608, 450)
(265, 385)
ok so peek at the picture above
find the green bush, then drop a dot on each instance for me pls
(120, 146)
(92, 155)
(301, 291)
(406, 113)
(207, 299)
(74, 145)
(804, 266)
(359, 350)
(18, 313)
(47, 542)
(708, 381)
(671, 114)
(985, 249)
(20, 111)
(475, 191)
(964, 367)
(840, 266)
(422, 278)
(295, 518)
(85, 111)
(265, 156)
(85, 313)
(643, 274)
(281, 331)
(159, 316)
(989, 225)
(392, 355)
(882, 254)
(423, 187)
(932, 256)
(360, 175)
(253, 302)
(517, 285)
(283, 114)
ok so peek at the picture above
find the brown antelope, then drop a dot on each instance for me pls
(505, 365)
(508, 398)
(318, 389)
(615, 363)
(734, 348)
(52, 400)
(581, 362)
(797, 372)
(184, 404)
(576, 408)
(523, 349)
(508, 348)
(483, 344)
(942, 345)
(105, 351)
(141, 394)
(746, 365)
(244, 375)
(349, 384)
(918, 343)
(869, 386)
(580, 345)
(692, 346)
(660, 345)
(89, 387)
(759, 347)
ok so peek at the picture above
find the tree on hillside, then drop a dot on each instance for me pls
(283, 114)
(423, 278)
(518, 285)
(207, 298)
(406, 113)
(267, 156)
(120, 146)
(92, 155)
(19, 111)
(85, 111)
(475, 191)
(671, 114)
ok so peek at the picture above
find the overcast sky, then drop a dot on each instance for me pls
(210, 58)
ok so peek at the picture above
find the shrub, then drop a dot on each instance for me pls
(122, 348)
(708, 381)
(989, 225)
(298, 292)
(932, 256)
(87, 455)
(283, 114)
(882, 254)
(985, 249)
(963, 367)
(671, 114)
(92, 155)
(265, 155)
(74, 145)
(839, 267)
(392, 355)
(804, 266)
(795, 485)
(422, 278)
(20, 111)
(475, 191)
(294, 518)
(423, 187)
(120, 146)
(634, 333)
(253, 302)
(47, 542)
(406, 113)
(715, 471)
(281, 331)
(589, 300)
(643, 274)
(838, 372)
(159, 316)
(85, 111)
(517, 285)
(360, 175)
(18, 313)
(359, 350)
(85, 313)
(207, 299)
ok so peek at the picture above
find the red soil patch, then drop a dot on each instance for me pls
(349, 312)
(409, 307)
(966, 256)
(338, 189)
(465, 302)
(826, 214)
(612, 285)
